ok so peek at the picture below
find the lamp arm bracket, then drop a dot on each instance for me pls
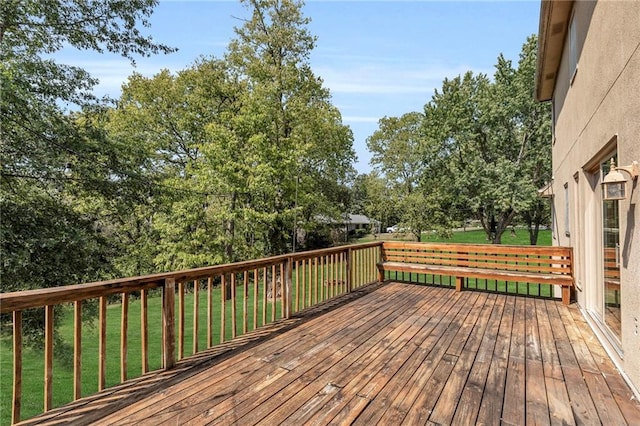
(633, 170)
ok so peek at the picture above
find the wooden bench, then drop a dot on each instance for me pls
(529, 264)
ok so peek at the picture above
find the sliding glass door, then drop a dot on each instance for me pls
(611, 259)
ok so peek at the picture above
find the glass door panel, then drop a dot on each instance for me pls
(611, 260)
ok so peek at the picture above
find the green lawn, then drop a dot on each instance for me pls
(478, 236)
(475, 236)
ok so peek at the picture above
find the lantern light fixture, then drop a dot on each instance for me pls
(614, 184)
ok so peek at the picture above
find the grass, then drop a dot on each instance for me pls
(474, 236)
(478, 236)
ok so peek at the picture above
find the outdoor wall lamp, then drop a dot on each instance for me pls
(614, 184)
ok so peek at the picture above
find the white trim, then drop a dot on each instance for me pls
(610, 350)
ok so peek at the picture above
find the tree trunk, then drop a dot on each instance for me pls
(533, 234)
(534, 218)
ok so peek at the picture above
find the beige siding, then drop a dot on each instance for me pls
(600, 110)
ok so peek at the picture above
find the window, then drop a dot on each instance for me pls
(553, 122)
(573, 49)
(566, 210)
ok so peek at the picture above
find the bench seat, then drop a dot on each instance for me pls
(460, 272)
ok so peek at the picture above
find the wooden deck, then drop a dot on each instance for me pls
(389, 354)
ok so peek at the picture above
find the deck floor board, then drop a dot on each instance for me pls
(393, 354)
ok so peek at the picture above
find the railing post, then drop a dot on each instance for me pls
(168, 322)
(288, 273)
(380, 261)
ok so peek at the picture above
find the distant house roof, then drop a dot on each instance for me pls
(352, 219)
(359, 219)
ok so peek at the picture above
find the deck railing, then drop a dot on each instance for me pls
(185, 312)
(230, 300)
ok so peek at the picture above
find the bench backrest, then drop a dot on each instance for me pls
(546, 260)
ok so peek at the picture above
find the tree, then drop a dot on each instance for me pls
(396, 149)
(492, 141)
(53, 158)
(248, 148)
(295, 139)
(38, 138)
(536, 119)
(376, 198)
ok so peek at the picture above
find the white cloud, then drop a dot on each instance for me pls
(386, 77)
(112, 73)
(359, 119)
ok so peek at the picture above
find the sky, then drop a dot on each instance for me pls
(377, 58)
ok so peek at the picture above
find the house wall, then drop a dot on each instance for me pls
(596, 113)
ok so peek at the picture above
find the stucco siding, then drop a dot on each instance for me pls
(600, 111)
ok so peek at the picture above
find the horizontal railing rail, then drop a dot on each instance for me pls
(230, 300)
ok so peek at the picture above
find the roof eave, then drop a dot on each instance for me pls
(553, 28)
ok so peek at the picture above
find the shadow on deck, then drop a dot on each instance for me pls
(386, 354)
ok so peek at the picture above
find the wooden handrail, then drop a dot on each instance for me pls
(319, 275)
(21, 300)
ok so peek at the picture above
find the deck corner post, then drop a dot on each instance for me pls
(168, 322)
(288, 284)
(381, 260)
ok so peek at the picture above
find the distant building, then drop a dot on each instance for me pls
(351, 222)
(358, 221)
(589, 68)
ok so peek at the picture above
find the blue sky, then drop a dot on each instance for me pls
(378, 58)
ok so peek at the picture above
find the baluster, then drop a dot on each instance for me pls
(48, 357)
(255, 299)
(349, 269)
(180, 320)
(233, 306)
(245, 302)
(223, 307)
(17, 366)
(274, 292)
(297, 266)
(288, 287)
(77, 349)
(124, 323)
(144, 330)
(315, 282)
(102, 343)
(196, 312)
(209, 312)
(323, 288)
(264, 294)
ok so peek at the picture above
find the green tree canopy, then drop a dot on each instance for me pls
(491, 140)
